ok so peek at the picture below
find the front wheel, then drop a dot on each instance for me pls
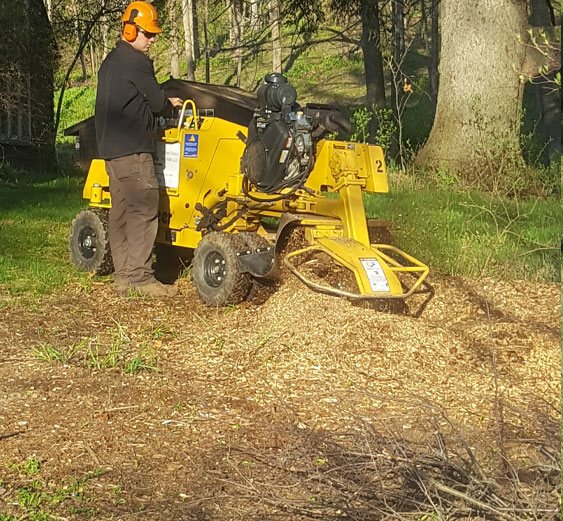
(215, 271)
(88, 242)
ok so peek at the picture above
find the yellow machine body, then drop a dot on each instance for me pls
(198, 163)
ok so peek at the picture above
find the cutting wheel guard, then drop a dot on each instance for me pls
(389, 265)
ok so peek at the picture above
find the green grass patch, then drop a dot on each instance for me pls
(39, 499)
(34, 222)
(467, 233)
(78, 104)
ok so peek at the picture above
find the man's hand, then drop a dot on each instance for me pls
(176, 102)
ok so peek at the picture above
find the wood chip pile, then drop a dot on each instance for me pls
(293, 406)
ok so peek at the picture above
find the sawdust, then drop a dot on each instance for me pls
(247, 399)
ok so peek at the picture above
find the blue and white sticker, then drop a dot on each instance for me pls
(191, 145)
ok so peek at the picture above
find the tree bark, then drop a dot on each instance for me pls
(371, 48)
(546, 92)
(480, 96)
(398, 17)
(195, 25)
(187, 19)
(434, 53)
(254, 14)
(206, 42)
(276, 35)
(172, 6)
(237, 31)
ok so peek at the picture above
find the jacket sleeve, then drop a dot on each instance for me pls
(145, 80)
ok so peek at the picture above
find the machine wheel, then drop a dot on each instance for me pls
(88, 242)
(216, 272)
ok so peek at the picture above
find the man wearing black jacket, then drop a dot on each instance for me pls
(127, 98)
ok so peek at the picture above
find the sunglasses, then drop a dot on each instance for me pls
(147, 35)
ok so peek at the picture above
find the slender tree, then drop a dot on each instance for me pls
(187, 19)
(276, 35)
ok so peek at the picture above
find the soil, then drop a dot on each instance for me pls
(295, 405)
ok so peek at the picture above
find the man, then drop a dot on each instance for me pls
(128, 95)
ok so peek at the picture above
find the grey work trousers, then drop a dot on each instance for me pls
(133, 218)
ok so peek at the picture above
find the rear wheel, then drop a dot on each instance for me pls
(89, 243)
(215, 271)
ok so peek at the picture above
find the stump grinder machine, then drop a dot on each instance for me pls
(232, 193)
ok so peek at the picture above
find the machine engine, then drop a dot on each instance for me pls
(282, 136)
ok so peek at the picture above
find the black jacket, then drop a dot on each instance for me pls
(127, 96)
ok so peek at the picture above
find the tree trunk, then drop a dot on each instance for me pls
(187, 19)
(371, 48)
(195, 24)
(104, 29)
(546, 92)
(480, 97)
(172, 6)
(78, 28)
(237, 31)
(254, 15)
(276, 35)
(434, 53)
(398, 16)
(48, 7)
(93, 66)
(206, 42)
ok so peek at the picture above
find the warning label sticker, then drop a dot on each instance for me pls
(167, 164)
(191, 145)
(376, 276)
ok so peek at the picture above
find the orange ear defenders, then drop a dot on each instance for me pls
(129, 28)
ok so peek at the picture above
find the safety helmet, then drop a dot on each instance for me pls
(143, 15)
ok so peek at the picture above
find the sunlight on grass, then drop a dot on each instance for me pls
(469, 234)
(34, 221)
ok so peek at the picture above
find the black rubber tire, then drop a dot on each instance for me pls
(215, 270)
(88, 242)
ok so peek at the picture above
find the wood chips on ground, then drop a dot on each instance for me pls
(260, 411)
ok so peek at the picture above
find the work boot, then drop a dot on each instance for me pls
(156, 289)
(120, 288)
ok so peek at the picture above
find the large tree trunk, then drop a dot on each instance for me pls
(480, 96)
(371, 48)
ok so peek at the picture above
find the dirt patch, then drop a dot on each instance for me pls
(294, 406)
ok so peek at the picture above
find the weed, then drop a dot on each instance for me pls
(362, 119)
(29, 467)
(143, 361)
(163, 330)
(49, 353)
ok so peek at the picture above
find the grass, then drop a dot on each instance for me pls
(467, 233)
(40, 500)
(34, 221)
(459, 233)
